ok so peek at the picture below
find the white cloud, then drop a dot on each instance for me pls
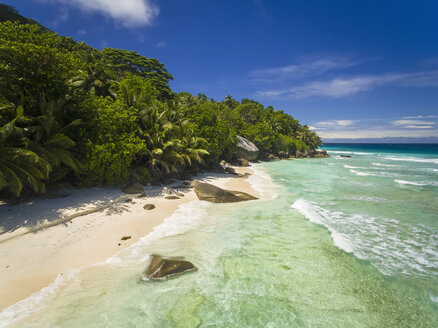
(376, 128)
(161, 44)
(344, 87)
(419, 126)
(421, 116)
(131, 13)
(334, 123)
(61, 18)
(315, 67)
(412, 122)
(378, 132)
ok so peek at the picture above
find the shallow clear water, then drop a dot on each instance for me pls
(346, 242)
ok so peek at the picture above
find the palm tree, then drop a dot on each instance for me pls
(95, 78)
(50, 141)
(170, 140)
(19, 167)
(190, 145)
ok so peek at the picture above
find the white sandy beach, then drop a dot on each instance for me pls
(31, 261)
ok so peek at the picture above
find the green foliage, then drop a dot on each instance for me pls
(95, 77)
(19, 167)
(220, 137)
(31, 67)
(73, 114)
(49, 139)
(113, 142)
(125, 62)
(261, 134)
(136, 91)
(9, 13)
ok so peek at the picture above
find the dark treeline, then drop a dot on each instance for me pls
(73, 115)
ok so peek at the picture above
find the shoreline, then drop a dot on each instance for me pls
(30, 261)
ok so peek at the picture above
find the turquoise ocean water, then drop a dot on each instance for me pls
(339, 242)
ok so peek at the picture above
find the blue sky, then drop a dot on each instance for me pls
(348, 69)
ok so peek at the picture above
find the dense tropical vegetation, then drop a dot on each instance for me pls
(74, 115)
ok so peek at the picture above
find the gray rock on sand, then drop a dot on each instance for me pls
(134, 188)
(167, 191)
(211, 193)
(172, 197)
(163, 267)
(246, 149)
(242, 162)
(230, 170)
(149, 207)
(225, 164)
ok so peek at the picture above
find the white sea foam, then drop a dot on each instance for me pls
(187, 217)
(36, 301)
(375, 174)
(413, 159)
(410, 183)
(262, 182)
(348, 152)
(391, 246)
(339, 152)
(367, 198)
(360, 173)
(386, 165)
(435, 170)
(433, 298)
(353, 167)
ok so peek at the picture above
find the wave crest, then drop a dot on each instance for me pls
(391, 246)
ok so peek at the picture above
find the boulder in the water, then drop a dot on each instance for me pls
(346, 156)
(246, 149)
(163, 267)
(211, 193)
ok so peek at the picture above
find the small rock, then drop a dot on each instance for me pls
(125, 238)
(179, 194)
(230, 170)
(225, 163)
(242, 162)
(118, 244)
(163, 267)
(149, 207)
(167, 191)
(181, 187)
(347, 156)
(172, 197)
(135, 188)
